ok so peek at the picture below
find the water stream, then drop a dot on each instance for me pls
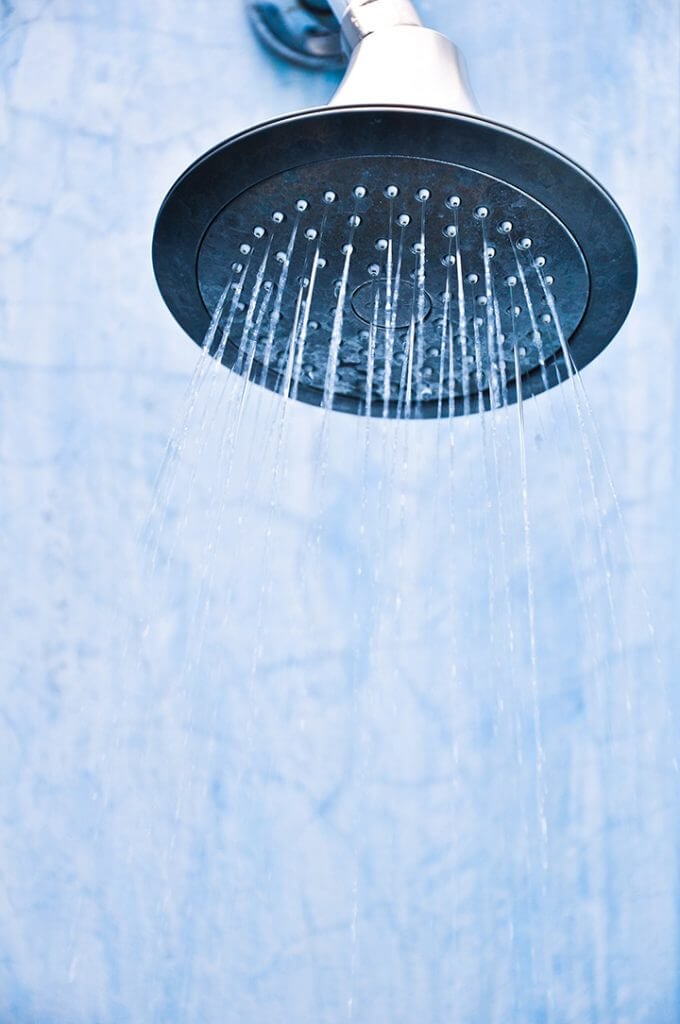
(442, 774)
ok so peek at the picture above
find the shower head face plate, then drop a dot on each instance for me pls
(436, 234)
(402, 275)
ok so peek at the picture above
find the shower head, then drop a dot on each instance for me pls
(391, 256)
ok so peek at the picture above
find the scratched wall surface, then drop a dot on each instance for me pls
(284, 760)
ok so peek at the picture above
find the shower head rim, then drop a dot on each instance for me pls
(545, 174)
(304, 114)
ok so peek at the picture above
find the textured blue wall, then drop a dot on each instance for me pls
(254, 787)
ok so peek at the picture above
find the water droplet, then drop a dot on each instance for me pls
(240, 306)
(546, 318)
(521, 352)
(434, 352)
(301, 205)
(418, 247)
(374, 270)
(321, 262)
(428, 372)
(403, 220)
(329, 196)
(482, 212)
(422, 195)
(490, 252)
(347, 248)
(313, 325)
(450, 231)
(481, 300)
(360, 191)
(472, 278)
(354, 220)
(549, 279)
(540, 261)
(524, 243)
(516, 310)
(267, 285)
(479, 321)
(391, 191)
(278, 217)
(511, 281)
(311, 233)
(280, 257)
(453, 202)
(259, 231)
(244, 249)
(381, 244)
(237, 267)
(505, 227)
(448, 260)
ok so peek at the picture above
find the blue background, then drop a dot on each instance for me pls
(237, 781)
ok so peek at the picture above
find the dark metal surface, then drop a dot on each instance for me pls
(213, 209)
(303, 32)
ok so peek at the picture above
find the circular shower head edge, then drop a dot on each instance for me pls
(591, 238)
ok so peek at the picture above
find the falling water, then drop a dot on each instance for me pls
(338, 318)
(163, 486)
(284, 258)
(389, 321)
(421, 256)
(416, 638)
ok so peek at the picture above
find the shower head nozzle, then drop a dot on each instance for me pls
(365, 238)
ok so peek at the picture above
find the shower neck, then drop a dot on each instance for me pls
(361, 18)
(395, 60)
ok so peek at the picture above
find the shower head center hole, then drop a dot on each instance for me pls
(407, 303)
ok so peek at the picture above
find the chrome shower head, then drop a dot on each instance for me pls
(386, 232)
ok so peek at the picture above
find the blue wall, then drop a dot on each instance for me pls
(291, 773)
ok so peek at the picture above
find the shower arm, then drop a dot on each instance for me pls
(359, 18)
(396, 60)
(393, 59)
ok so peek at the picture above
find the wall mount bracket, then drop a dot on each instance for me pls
(302, 32)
